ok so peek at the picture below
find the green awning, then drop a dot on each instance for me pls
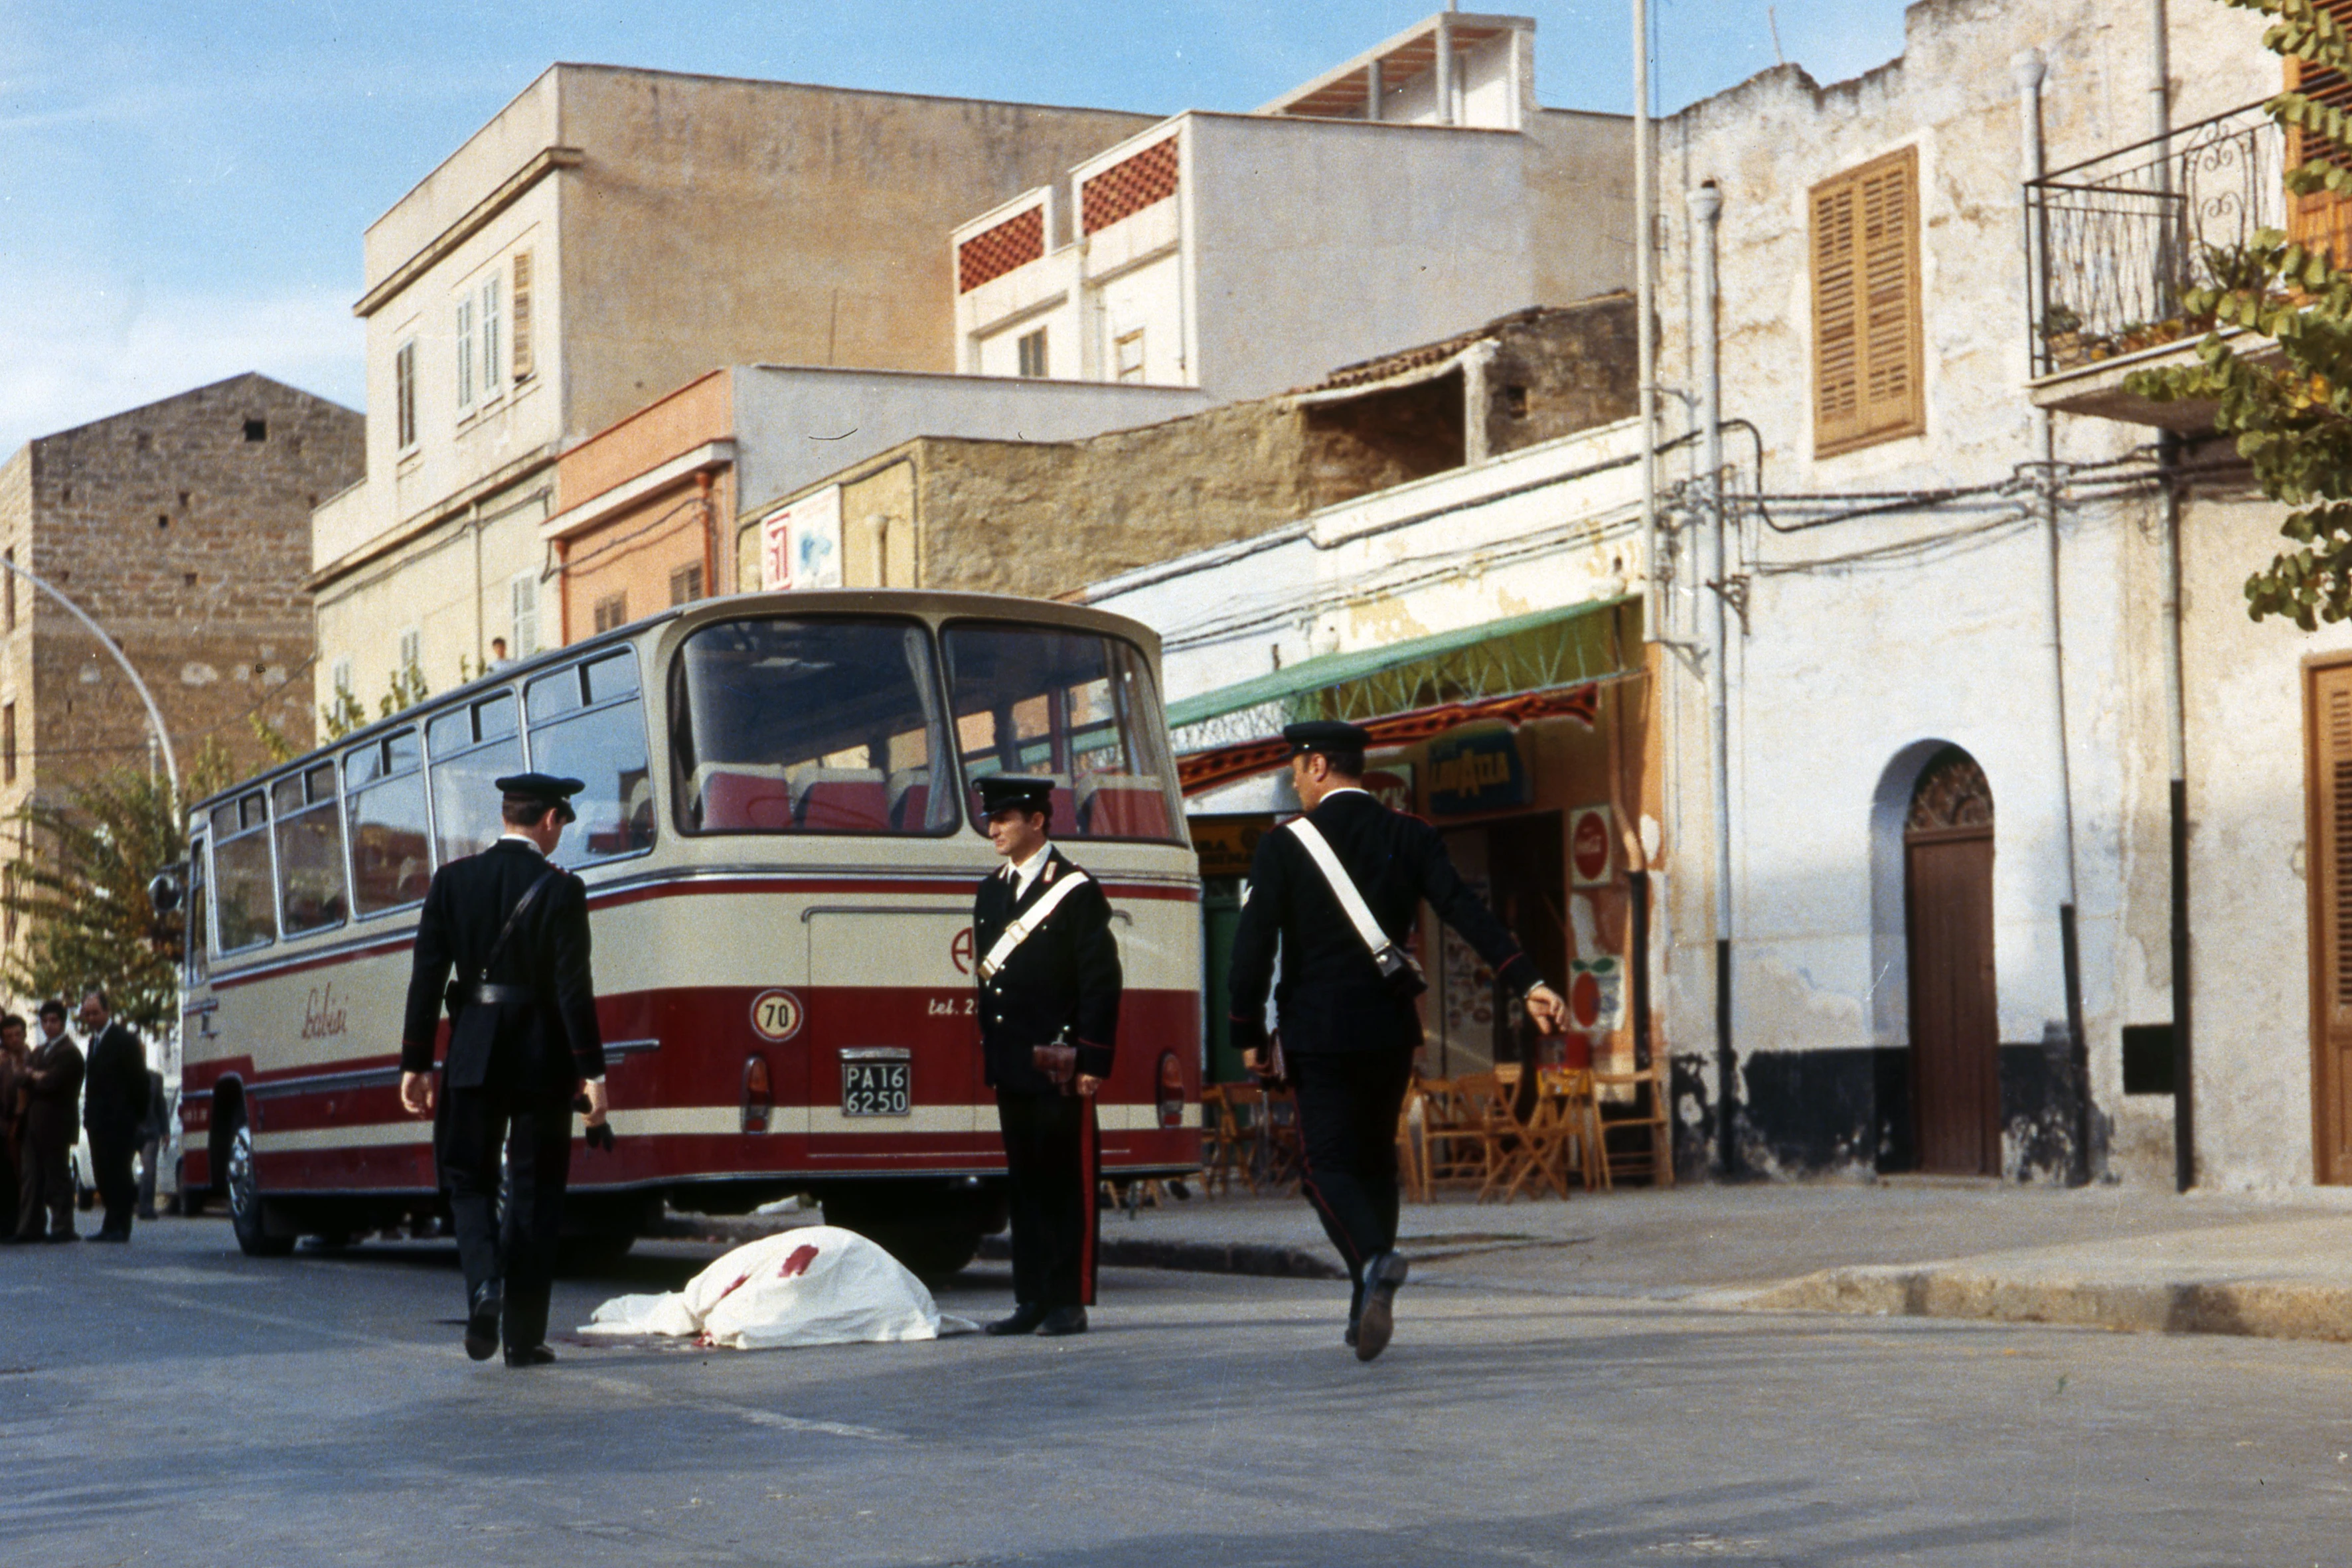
(1534, 652)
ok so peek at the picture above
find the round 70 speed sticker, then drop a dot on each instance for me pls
(776, 1015)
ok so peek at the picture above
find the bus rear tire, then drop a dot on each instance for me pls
(247, 1215)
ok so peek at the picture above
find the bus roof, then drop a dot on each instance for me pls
(931, 603)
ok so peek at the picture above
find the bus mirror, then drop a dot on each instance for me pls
(163, 892)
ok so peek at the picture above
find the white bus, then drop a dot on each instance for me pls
(779, 842)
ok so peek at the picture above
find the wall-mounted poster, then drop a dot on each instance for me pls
(1481, 771)
(1390, 784)
(800, 544)
(1596, 994)
(1591, 846)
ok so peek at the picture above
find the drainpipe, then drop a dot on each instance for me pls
(1645, 308)
(1374, 85)
(1707, 209)
(2175, 740)
(2029, 70)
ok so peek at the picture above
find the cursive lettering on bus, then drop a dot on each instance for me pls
(324, 1015)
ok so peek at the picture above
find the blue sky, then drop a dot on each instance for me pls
(182, 185)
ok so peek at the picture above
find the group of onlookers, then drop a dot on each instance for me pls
(42, 1088)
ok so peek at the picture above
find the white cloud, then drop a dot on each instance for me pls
(71, 355)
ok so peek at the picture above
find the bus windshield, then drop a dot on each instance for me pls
(1075, 707)
(816, 725)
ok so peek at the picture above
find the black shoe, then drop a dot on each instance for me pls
(1383, 1275)
(1355, 1329)
(530, 1355)
(1026, 1316)
(482, 1319)
(1064, 1321)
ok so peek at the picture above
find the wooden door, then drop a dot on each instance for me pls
(1954, 1024)
(2327, 728)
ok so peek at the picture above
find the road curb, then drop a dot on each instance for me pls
(2264, 1309)
(1256, 1258)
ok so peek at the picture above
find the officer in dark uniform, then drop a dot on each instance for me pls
(1049, 986)
(522, 1039)
(1348, 1031)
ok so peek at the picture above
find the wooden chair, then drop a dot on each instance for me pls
(1634, 1133)
(1453, 1140)
(1224, 1151)
(1565, 1129)
(1282, 1161)
(1484, 1118)
(1412, 1158)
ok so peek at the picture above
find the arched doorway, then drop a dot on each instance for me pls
(1947, 920)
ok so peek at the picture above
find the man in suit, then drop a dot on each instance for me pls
(46, 1169)
(1049, 984)
(523, 1038)
(114, 1104)
(1349, 1031)
(14, 1087)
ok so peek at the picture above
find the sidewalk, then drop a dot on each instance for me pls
(2109, 1257)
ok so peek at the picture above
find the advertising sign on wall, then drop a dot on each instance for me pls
(800, 545)
(1591, 846)
(1478, 771)
(1596, 994)
(1227, 844)
(1390, 784)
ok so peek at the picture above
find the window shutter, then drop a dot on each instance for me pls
(519, 317)
(1868, 375)
(2328, 865)
(2320, 221)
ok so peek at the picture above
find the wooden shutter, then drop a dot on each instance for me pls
(520, 316)
(2321, 221)
(2327, 865)
(1868, 375)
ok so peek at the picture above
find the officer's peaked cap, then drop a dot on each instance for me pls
(1012, 791)
(1325, 735)
(542, 789)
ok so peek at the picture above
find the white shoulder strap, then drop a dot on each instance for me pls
(1018, 931)
(1343, 887)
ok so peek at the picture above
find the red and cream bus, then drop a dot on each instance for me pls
(780, 845)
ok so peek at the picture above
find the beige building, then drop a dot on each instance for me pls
(610, 235)
(180, 529)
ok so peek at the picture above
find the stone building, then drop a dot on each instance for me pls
(183, 528)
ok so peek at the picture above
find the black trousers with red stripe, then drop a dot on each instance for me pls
(1052, 1151)
(1347, 1106)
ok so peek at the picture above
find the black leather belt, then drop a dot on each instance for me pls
(496, 995)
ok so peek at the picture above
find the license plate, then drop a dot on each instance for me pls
(876, 1088)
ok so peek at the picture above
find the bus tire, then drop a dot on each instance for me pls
(931, 1253)
(246, 1205)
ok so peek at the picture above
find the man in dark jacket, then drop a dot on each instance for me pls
(1049, 984)
(46, 1169)
(1349, 1031)
(114, 1103)
(523, 1037)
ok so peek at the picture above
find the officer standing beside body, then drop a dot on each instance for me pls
(1049, 983)
(1348, 1023)
(46, 1167)
(114, 1105)
(522, 1038)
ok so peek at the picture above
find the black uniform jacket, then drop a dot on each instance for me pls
(1332, 997)
(117, 1101)
(1065, 976)
(57, 1089)
(546, 1045)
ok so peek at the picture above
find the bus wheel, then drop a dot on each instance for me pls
(930, 1252)
(245, 1201)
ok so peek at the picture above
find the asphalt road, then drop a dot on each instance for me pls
(174, 1402)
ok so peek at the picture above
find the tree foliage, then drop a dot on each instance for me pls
(78, 892)
(2289, 405)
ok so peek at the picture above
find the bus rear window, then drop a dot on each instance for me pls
(821, 725)
(1074, 707)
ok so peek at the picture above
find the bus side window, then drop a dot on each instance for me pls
(243, 887)
(383, 792)
(195, 939)
(311, 894)
(588, 722)
(467, 749)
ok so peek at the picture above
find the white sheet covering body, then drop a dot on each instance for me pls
(818, 1285)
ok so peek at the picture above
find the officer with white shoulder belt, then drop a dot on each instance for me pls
(1339, 890)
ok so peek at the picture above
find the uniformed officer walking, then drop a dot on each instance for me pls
(1339, 889)
(1049, 986)
(522, 1038)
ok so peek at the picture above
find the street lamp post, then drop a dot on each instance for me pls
(154, 714)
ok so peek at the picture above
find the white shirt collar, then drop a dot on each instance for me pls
(526, 843)
(1026, 871)
(1344, 789)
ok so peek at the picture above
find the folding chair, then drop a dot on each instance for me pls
(1634, 1132)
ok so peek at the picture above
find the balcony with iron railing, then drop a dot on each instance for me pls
(2115, 244)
